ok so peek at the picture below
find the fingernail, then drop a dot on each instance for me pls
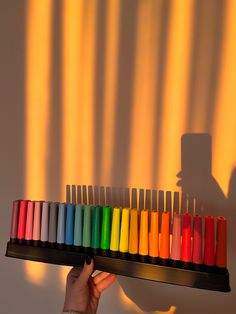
(88, 260)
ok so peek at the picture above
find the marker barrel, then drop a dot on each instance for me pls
(53, 214)
(186, 239)
(14, 220)
(70, 218)
(22, 221)
(124, 233)
(176, 240)
(87, 227)
(143, 237)
(37, 223)
(96, 229)
(106, 228)
(29, 223)
(78, 227)
(209, 249)
(61, 224)
(221, 243)
(133, 234)
(197, 240)
(154, 237)
(165, 238)
(115, 232)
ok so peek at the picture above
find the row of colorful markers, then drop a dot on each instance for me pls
(141, 235)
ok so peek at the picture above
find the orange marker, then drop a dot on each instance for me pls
(165, 238)
(133, 234)
(221, 243)
(154, 237)
(143, 236)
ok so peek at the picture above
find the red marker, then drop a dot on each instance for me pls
(221, 243)
(197, 241)
(209, 249)
(186, 240)
(29, 223)
(22, 221)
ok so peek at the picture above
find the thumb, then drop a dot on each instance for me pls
(86, 271)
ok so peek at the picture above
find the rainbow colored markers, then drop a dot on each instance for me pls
(142, 235)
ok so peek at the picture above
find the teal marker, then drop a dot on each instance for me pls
(78, 228)
(106, 230)
(96, 229)
(87, 227)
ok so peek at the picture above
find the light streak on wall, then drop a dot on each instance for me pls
(37, 94)
(111, 67)
(142, 125)
(131, 306)
(224, 148)
(35, 272)
(175, 92)
(72, 77)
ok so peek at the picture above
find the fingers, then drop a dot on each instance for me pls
(106, 282)
(87, 271)
(99, 277)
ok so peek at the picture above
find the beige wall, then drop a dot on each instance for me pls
(100, 92)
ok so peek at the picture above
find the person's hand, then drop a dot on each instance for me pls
(83, 291)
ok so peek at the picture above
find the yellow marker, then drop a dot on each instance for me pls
(154, 237)
(115, 231)
(143, 236)
(133, 234)
(124, 233)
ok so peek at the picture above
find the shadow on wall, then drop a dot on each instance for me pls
(196, 180)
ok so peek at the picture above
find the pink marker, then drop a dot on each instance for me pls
(37, 223)
(197, 240)
(14, 221)
(186, 240)
(29, 223)
(176, 240)
(22, 221)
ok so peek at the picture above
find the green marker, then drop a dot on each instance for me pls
(96, 229)
(106, 229)
(87, 228)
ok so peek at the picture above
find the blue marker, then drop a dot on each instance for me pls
(78, 228)
(61, 225)
(87, 227)
(70, 217)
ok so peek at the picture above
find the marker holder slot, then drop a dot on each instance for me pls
(213, 280)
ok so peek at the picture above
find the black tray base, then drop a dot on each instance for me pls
(216, 281)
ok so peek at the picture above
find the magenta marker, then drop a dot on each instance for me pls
(197, 242)
(22, 221)
(37, 223)
(44, 224)
(29, 223)
(176, 241)
(14, 221)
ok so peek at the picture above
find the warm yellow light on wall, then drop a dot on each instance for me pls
(145, 89)
(37, 93)
(35, 272)
(175, 92)
(131, 306)
(224, 130)
(78, 50)
(72, 76)
(110, 84)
